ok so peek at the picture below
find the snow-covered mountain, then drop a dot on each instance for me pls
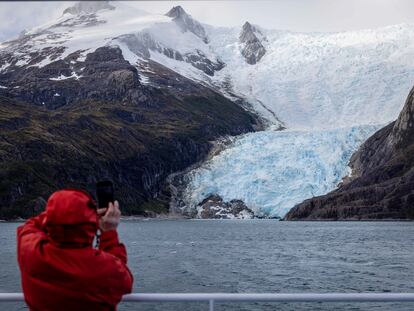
(90, 25)
(329, 90)
(303, 80)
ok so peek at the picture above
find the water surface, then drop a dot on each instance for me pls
(255, 256)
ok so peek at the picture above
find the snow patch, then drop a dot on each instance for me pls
(183, 68)
(129, 56)
(143, 79)
(22, 62)
(4, 67)
(62, 77)
(43, 62)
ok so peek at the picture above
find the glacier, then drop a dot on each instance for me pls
(330, 90)
(323, 80)
(271, 171)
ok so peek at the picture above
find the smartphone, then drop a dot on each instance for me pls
(104, 193)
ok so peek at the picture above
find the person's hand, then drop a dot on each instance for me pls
(110, 217)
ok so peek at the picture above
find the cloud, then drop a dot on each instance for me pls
(17, 16)
(296, 15)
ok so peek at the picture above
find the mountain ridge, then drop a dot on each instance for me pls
(309, 84)
(223, 68)
(187, 23)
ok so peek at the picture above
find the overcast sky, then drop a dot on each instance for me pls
(296, 15)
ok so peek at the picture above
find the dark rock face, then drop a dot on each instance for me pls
(200, 61)
(104, 75)
(187, 23)
(382, 183)
(101, 122)
(252, 48)
(214, 207)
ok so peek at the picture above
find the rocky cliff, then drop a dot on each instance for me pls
(382, 182)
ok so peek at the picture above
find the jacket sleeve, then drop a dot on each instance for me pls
(109, 243)
(31, 234)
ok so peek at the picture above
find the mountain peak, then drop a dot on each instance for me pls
(250, 32)
(251, 46)
(176, 12)
(88, 7)
(247, 26)
(187, 23)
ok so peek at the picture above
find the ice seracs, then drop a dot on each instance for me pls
(271, 171)
(329, 80)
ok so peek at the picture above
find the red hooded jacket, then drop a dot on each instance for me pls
(60, 269)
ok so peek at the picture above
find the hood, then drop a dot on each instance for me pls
(71, 219)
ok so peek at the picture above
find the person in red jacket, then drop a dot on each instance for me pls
(60, 268)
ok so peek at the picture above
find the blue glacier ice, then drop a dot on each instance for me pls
(271, 171)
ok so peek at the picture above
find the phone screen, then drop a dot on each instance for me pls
(104, 193)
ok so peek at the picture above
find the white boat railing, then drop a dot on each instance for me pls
(211, 298)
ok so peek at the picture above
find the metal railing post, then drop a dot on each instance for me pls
(211, 303)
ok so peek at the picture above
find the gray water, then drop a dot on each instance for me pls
(255, 256)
